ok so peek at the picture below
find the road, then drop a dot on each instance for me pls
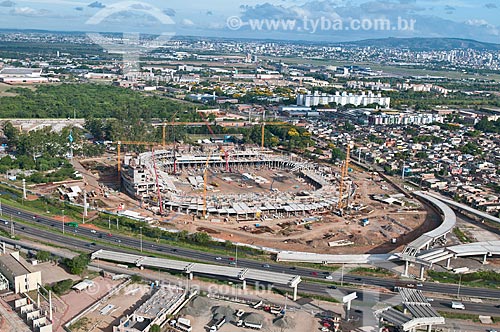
(306, 286)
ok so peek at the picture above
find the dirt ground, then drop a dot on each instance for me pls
(304, 320)
(123, 303)
(69, 305)
(387, 222)
(52, 273)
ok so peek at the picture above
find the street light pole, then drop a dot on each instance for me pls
(140, 228)
(63, 221)
(459, 283)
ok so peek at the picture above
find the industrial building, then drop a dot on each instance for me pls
(22, 76)
(21, 278)
(344, 98)
(165, 301)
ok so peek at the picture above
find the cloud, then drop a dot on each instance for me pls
(187, 23)
(79, 9)
(28, 11)
(7, 3)
(169, 12)
(477, 22)
(491, 6)
(96, 4)
(210, 13)
(427, 23)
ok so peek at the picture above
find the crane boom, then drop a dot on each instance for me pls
(158, 191)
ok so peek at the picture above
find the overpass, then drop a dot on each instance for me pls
(421, 312)
(463, 207)
(485, 249)
(189, 268)
(412, 250)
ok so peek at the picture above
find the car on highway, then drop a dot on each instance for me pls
(174, 250)
(93, 231)
(314, 273)
(491, 330)
(329, 277)
(218, 258)
(265, 266)
(332, 287)
(420, 284)
(232, 263)
(231, 259)
(457, 305)
(119, 241)
(110, 235)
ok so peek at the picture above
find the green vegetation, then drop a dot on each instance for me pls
(488, 126)
(374, 272)
(81, 324)
(78, 264)
(43, 256)
(155, 328)
(136, 278)
(338, 154)
(62, 287)
(472, 317)
(461, 235)
(86, 101)
(489, 279)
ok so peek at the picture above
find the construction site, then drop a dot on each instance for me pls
(248, 194)
(257, 196)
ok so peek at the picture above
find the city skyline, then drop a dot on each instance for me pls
(328, 21)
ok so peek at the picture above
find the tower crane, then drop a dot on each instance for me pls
(343, 176)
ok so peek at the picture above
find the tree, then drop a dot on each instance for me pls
(43, 256)
(338, 154)
(155, 328)
(78, 264)
(136, 278)
(11, 133)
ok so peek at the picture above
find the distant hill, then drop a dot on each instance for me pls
(425, 44)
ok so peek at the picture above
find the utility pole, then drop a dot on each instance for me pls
(116, 223)
(1, 211)
(140, 228)
(109, 222)
(403, 172)
(459, 283)
(12, 234)
(342, 276)
(63, 221)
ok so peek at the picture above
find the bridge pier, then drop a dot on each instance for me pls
(484, 259)
(295, 293)
(244, 284)
(422, 270)
(407, 266)
(448, 262)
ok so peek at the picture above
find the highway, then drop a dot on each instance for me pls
(305, 287)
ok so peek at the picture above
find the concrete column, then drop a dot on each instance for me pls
(484, 259)
(244, 284)
(448, 261)
(190, 275)
(295, 293)
(407, 265)
(422, 270)
(429, 328)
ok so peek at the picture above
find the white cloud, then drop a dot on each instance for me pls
(28, 11)
(187, 23)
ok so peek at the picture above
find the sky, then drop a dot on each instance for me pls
(314, 20)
